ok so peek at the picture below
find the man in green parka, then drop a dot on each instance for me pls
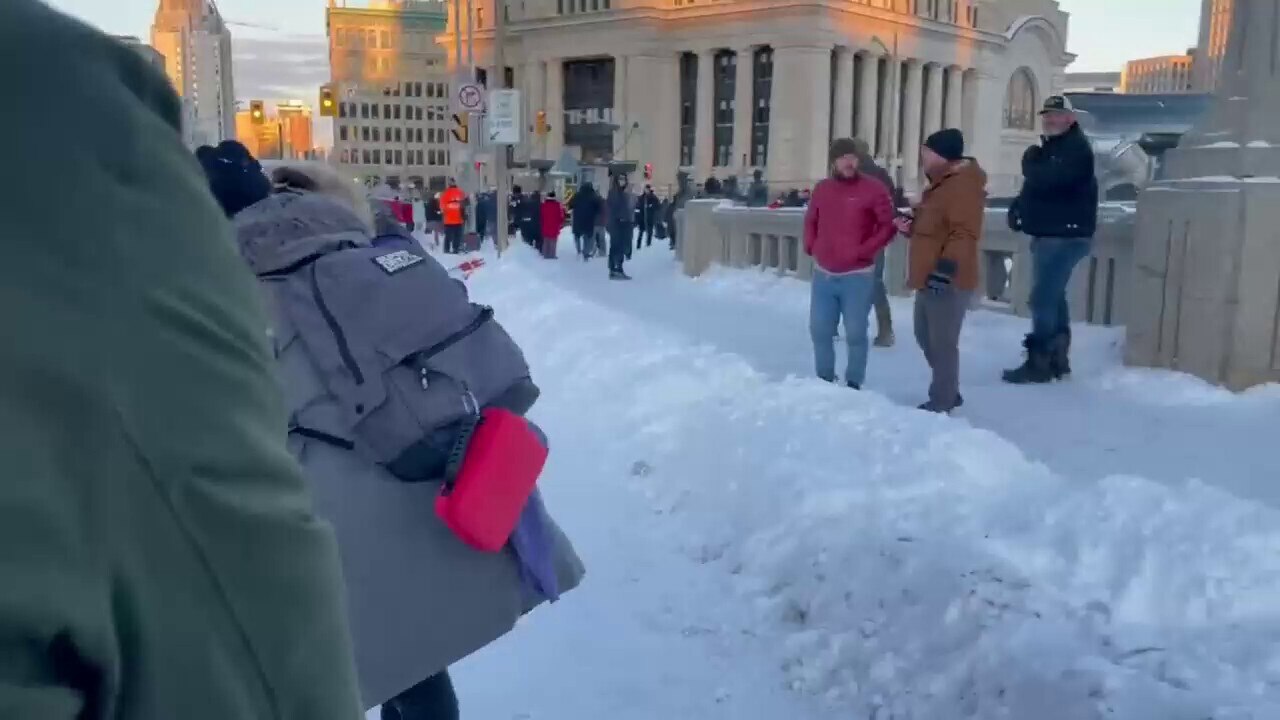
(159, 559)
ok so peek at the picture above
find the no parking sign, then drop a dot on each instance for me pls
(470, 97)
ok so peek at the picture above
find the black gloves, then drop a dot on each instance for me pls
(940, 279)
(1014, 216)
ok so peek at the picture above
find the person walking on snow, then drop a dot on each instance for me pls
(1058, 207)
(758, 191)
(159, 551)
(584, 207)
(620, 207)
(943, 259)
(552, 217)
(453, 212)
(648, 208)
(849, 221)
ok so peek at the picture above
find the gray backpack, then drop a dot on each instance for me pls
(408, 358)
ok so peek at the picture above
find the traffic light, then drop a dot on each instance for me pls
(460, 131)
(256, 113)
(648, 171)
(540, 125)
(328, 108)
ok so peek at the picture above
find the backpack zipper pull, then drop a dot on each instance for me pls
(422, 376)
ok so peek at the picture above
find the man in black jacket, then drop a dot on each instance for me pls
(1058, 208)
(620, 208)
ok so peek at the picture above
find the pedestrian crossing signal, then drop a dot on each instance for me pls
(540, 125)
(328, 108)
(460, 130)
(257, 114)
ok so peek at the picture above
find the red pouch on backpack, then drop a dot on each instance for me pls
(495, 469)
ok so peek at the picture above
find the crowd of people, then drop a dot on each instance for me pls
(267, 458)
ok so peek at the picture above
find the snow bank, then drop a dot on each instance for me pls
(903, 564)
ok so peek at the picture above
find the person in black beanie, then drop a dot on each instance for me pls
(235, 176)
(943, 259)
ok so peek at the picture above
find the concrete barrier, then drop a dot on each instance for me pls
(715, 232)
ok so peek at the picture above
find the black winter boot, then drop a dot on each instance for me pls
(1036, 369)
(1061, 351)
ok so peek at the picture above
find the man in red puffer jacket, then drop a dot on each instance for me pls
(849, 221)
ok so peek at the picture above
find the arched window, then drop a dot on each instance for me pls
(1020, 101)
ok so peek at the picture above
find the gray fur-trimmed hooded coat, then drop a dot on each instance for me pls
(418, 598)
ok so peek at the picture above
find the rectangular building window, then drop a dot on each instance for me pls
(386, 111)
(724, 79)
(377, 156)
(374, 110)
(761, 103)
(368, 157)
(397, 112)
(342, 132)
(364, 133)
(364, 110)
(688, 106)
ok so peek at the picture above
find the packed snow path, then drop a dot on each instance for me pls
(762, 545)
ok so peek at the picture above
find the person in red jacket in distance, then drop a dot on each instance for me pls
(552, 217)
(849, 220)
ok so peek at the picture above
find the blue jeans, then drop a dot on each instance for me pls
(833, 296)
(1052, 261)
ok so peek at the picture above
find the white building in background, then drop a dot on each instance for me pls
(392, 85)
(196, 46)
(723, 87)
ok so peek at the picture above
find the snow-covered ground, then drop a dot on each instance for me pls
(763, 545)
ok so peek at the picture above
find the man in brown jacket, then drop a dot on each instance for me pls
(943, 259)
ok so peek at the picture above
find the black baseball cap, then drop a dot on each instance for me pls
(1057, 103)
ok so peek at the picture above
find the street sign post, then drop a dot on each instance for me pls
(469, 98)
(504, 117)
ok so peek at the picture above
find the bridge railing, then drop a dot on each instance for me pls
(714, 232)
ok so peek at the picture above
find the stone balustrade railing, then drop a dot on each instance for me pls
(716, 232)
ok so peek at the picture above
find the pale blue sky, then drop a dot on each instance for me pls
(1103, 34)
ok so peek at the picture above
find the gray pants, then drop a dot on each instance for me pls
(938, 319)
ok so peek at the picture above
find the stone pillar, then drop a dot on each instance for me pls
(801, 99)
(555, 108)
(656, 140)
(1207, 249)
(911, 126)
(868, 91)
(933, 100)
(952, 104)
(968, 102)
(621, 112)
(843, 117)
(704, 133)
(743, 106)
(890, 111)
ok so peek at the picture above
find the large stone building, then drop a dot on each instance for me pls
(1215, 25)
(392, 86)
(727, 86)
(1159, 75)
(284, 135)
(296, 130)
(196, 46)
